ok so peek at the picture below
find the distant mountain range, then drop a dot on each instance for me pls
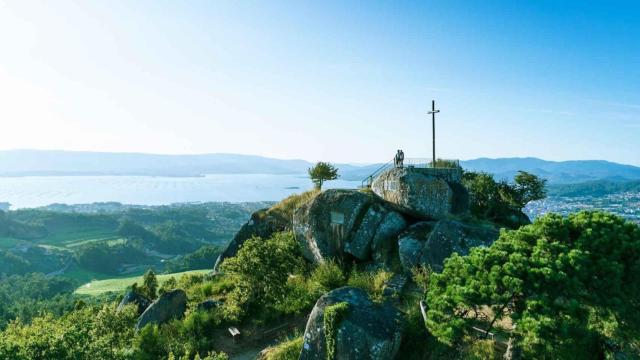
(49, 163)
(559, 172)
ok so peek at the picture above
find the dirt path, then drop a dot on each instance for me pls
(255, 339)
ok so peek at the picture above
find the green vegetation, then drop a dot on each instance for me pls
(373, 282)
(107, 258)
(261, 270)
(103, 240)
(28, 296)
(90, 332)
(594, 188)
(558, 288)
(333, 315)
(321, 172)
(500, 201)
(445, 164)
(286, 207)
(100, 287)
(203, 258)
(286, 350)
(569, 284)
(150, 284)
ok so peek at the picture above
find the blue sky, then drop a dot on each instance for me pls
(332, 80)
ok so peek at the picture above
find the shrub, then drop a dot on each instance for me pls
(373, 283)
(421, 275)
(289, 349)
(478, 349)
(328, 276)
(261, 270)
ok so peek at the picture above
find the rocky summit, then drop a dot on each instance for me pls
(344, 224)
(360, 226)
(427, 193)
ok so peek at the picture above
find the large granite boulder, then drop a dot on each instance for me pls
(323, 225)
(263, 223)
(428, 243)
(411, 244)
(339, 224)
(170, 305)
(384, 241)
(364, 329)
(425, 193)
(132, 297)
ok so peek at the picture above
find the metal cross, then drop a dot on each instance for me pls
(433, 113)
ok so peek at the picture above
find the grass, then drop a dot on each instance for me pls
(287, 206)
(69, 237)
(111, 241)
(99, 287)
(289, 349)
(76, 235)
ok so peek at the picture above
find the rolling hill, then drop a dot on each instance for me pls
(48, 163)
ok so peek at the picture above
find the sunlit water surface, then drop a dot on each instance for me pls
(34, 191)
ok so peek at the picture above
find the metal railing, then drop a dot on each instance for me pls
(428, 163)
(411, 162)
(366, 182)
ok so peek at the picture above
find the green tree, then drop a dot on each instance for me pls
(261, 270)
(568, 284)
(170, 284)
(150, 284)
(321, 172)
(500, 201)
(528, 188)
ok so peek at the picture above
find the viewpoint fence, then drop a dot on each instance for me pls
(411, 163)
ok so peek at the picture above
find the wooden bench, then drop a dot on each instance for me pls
(490, 335)
(235, 333)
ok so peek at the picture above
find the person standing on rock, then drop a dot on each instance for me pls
(398, 160)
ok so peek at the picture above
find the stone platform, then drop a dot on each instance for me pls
(429, 193)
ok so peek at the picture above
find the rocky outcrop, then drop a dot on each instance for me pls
(341, 223)
(170, 305)
(429, 243)
(411, 244)
(425, 193)
(263, 223)
(384, 241)
(132, 297)
(365, 330)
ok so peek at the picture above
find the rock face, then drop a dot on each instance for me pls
(132, 297)
(170, 305)
(429, 243)
(411, 245)
(263, 223)
(340, 223)
(384, 241)
(366, 331)
(426, 193)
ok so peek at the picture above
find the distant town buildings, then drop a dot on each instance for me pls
(626, 204)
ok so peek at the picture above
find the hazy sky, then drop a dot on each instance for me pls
(323, 80)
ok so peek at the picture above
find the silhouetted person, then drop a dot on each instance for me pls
(398, 160)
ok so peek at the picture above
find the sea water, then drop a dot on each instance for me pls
(34, 191)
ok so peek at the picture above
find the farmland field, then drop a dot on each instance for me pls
(100, 287)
